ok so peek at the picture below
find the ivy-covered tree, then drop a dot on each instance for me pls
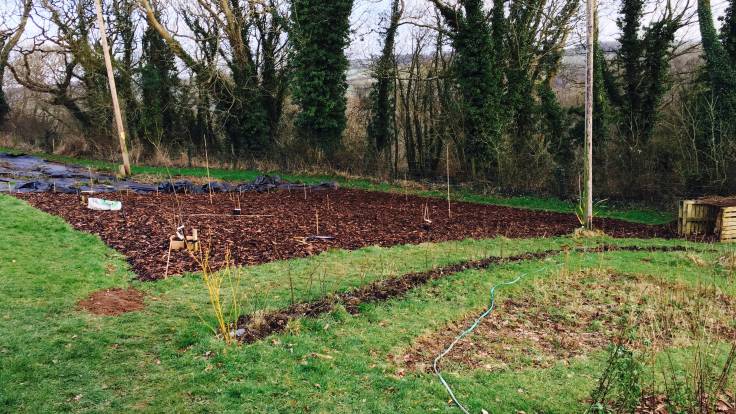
(714, 133)
(719, 60)
(382, 97)
(476, 69)
(159, 122)
(319, 37)
(639, 78)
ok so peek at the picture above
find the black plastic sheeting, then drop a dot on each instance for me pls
(29, 174)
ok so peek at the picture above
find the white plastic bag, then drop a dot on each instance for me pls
(103, 205)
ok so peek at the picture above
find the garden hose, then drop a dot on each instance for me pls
(475, 324)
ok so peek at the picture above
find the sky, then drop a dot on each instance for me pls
(369, 18)
(370, 15)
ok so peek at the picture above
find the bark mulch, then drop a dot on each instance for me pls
(278, 225)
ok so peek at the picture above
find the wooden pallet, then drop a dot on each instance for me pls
(726, 224)
(695, 218)
(700, 218)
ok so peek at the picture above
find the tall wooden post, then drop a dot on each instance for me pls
(590, 20)
(113, 90)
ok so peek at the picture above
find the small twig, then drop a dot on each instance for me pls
(168, 260)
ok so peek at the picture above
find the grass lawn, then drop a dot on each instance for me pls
(637, 215)
(57, 358)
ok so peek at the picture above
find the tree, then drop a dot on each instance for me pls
(248, 37)
(719, 63)
(629, 90)
(382, 97)
(477, 72)
(159, 83)
(319, 36)
(9, 37)
(78, 81)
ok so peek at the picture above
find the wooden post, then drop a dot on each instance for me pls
(113, 89)
(590, 20)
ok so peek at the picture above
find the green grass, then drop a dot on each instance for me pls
(56, 358)
(637, 215)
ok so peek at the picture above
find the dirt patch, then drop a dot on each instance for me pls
(278, 225)
(561, 318)
(254, 327)
(113, 302)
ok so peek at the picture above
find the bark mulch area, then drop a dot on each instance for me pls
(274, 225)
(113, 302)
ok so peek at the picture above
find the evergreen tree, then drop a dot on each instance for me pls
(320, 35)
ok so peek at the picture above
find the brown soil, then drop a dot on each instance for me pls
(258, 326)
(113, 302)
(567, 317)
(277, 225)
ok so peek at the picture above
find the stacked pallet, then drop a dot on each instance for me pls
(726, 224)
(711, 216)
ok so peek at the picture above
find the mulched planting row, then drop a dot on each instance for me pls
(251, 328)
(275, 225)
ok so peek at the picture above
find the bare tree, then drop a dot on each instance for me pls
(10, 35)
(249, 38)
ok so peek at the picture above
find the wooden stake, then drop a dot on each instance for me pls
(590, 20)
(207, 164)
(447, 164)
(91, 183)
(113, 90)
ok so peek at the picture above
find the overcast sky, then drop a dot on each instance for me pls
(369, 16)
(369, 19)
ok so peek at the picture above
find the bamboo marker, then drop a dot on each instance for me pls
(447, 164)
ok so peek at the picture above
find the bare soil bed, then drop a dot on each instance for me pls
(562, 318)
(277, 225)
(113, 302)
